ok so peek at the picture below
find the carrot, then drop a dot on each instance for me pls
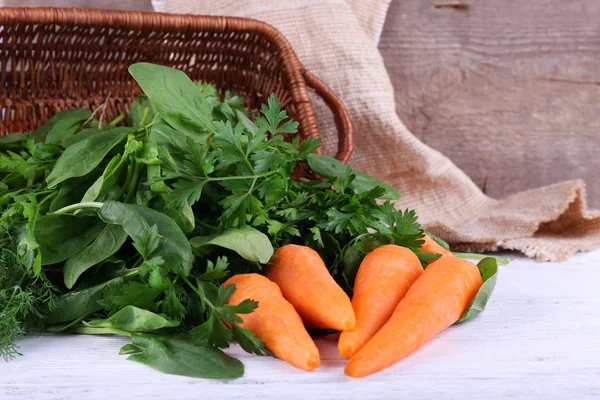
(383, 278)
(431, 246)
(435, 301)
(307, 284)
(275, 321)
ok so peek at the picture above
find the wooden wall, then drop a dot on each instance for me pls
(506, 88)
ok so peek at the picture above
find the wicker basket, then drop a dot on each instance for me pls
(55, 58)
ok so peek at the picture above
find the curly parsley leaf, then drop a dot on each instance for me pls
(274, 116)
(215, 330)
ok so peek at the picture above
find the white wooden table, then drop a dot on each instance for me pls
(539, 338)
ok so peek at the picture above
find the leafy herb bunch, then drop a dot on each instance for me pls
(110, 229)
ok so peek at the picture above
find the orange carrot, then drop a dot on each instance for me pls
(307, 284)
(431, 246)
(383, 278)
(275, 321)
(435, 301)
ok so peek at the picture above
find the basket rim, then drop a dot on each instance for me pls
(177, 23)
(293, 69)
(127, 19)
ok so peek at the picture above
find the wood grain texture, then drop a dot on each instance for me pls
(509, 88)
(538, 339)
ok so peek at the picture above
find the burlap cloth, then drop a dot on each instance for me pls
(337, 40)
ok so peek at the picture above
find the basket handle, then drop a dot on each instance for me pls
(342, 119)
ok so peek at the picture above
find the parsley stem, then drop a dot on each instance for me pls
(228, 178)
(127, 180)
(133, 272)
(78, 206)
(252, 186)
(195, 289)
(134, 182)
(45, 199)
(250, 166)
(207, 226)
(115, 121)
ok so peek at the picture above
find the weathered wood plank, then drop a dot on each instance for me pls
(509, 88)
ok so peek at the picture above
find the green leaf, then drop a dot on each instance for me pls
(475, 256)
(132, 294)
(228, 144)
(176, 98)
(215, 272)
(107, 180)
(229, 312)
(64, 326)
(13, 141)
(212, 332)
(173, 245)
(185, 193)
(184, 217)
(108, 269)
(82, 157)
(274, 116)
(12, 162)
(308, 146)
(340, 222)
(169, 138)
(249, 341)
(40, 133)
(133, 319)
(238, 206)
(147, 242)
(353, 254)
(171, 304)
(178, 355)
(426, 258)
(401, 227)
(67, 125)
(198, 159)
(107, 243)
(330, 168)
(316, 236)
(266, 160)
(62, 236)
(28, 248)
(154, 275)
(138, 111)
(42, 151)
(84, 134)
(81, 303)
(342, 183)
(438, 240)
(488, 268)
(250, 243)
(72, 190)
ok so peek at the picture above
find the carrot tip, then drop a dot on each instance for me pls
(313, 362)
(346, 351)
(352, 372)
(347, 344)
(349, 323)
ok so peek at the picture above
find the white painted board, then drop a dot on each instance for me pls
(539, 338)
